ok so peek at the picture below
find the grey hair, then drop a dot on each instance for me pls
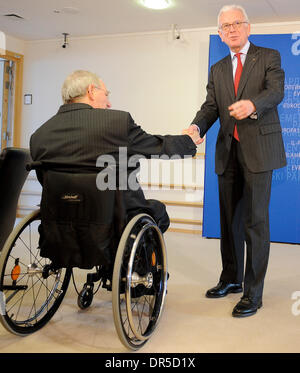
(226, 8)
(76, 85)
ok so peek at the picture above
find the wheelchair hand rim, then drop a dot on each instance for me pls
(139, 336)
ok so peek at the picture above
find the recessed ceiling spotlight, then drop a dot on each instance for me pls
(156, 4)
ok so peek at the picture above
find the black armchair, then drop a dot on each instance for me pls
(13, 174)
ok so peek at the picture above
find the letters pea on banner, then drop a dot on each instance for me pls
(285, 195)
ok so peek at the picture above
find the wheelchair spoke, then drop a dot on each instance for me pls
(31, 252)
(22, 297)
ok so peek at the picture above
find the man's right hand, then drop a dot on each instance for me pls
(193, 132)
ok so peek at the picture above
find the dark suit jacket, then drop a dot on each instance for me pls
(262, 82)
(78, 134)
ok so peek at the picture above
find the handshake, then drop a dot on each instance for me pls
(194, 134)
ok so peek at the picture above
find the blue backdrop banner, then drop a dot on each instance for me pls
(285, 195)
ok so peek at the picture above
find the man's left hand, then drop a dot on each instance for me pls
(241, 109)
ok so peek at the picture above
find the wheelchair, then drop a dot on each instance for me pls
(33, 285)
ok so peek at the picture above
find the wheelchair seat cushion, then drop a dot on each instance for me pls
(77, 221)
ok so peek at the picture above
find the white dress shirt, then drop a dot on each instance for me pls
(243, 52)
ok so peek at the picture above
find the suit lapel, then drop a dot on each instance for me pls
(251, 59)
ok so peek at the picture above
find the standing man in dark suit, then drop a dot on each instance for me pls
(84, 130)
(244, 90)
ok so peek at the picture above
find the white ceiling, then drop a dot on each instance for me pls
(98, 17)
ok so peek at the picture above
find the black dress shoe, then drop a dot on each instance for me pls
(246, 307)
(223, 289)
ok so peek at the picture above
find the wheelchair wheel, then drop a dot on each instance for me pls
(139, 281)
(31, 291)
(85, 297)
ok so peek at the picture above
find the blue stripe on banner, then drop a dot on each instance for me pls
(285, 196)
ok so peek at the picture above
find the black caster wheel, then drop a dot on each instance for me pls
(85, 297)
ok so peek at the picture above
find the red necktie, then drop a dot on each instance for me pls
(237, 78)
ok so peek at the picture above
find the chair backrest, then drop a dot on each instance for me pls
(13, 174)
(78, 221)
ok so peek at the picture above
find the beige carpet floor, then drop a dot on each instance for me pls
(190, 322)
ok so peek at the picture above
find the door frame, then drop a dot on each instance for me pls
(18, 90)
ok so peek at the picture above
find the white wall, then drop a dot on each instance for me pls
(150, 75)
(160, 81)
(15, 45)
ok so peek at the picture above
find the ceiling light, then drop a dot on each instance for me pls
(156, 4)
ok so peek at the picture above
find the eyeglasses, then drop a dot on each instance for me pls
(236, 26)
(106, 92)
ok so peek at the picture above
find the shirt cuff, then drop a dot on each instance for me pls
(254, 116)
(195, 125)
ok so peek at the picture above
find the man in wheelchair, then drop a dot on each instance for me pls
(72, 141)
(81, 224)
